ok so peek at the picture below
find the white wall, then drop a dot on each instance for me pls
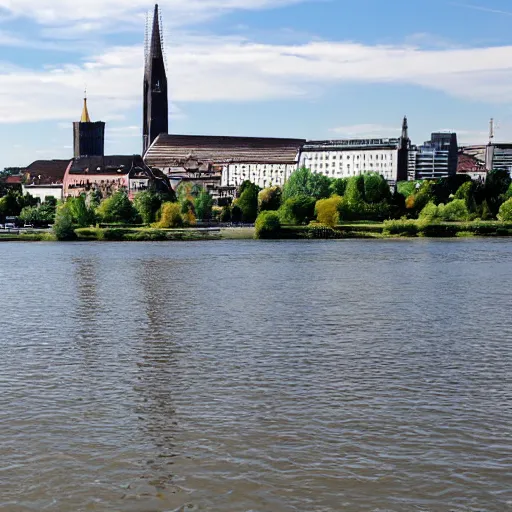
(43, 192)
(263, 175)
(344, 164)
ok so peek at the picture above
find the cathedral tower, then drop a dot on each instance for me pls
(88, 137)
(156, 108)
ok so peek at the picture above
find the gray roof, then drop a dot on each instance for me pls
(171, 150)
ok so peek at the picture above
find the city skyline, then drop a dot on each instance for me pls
(309, 69)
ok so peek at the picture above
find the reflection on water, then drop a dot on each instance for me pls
(256, 376)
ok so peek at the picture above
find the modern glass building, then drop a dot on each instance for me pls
(436, 158)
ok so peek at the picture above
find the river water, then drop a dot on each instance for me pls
(256, 376)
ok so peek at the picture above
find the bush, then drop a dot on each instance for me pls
(456, 210)
(376, 188)
(147, 204)
(203, 206)
(327, 211)
(401, 227)
(505, 213)
(117, 208)
(225, 216)
(304, 183)
(268, 225)
(430, 212)
(297, 210)
(63, 226)
(355, 191)
(170, 216)
(339, 186)
(269, 199)
(248, 203)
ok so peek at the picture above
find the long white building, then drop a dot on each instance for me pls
(351, 157)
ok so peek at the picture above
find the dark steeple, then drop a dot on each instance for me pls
(88, 137)
(405, 129)
(155, 87)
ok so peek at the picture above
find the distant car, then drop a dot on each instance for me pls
(2, 226)
(10, 225)
(28, 225)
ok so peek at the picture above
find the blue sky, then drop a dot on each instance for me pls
(291, 68)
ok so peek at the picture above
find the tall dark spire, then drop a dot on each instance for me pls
(155, 87)
(405, 129)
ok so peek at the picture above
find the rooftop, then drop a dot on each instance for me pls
(46, 172)
(169, 150)
(107, 165)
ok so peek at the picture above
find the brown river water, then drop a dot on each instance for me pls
(256, 376)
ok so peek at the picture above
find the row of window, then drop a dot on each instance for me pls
(333, 156)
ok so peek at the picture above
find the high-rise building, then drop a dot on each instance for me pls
(156, 119)
(88, 137)
(436, 158)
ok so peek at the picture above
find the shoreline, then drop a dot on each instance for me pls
(363, 230)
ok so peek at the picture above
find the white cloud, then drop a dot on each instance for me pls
(54, 12)
(206, 69)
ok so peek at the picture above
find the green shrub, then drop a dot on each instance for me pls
(171, 216)
(268, 225)
(269, 199)
(63, 226)
(401, 227)
(505, 212)
(327, 211)
(430, 212)
(297, 210)
(456, 210)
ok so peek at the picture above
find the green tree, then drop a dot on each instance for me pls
(297, 210)
(268, 225)
(147, 204)
(466, 192)
(505, 212)
(376, 188)
(10, 205)
(304, 183)
(171, 216)
(203, 206)
(327, 211)
(248, 203)
(225, 216)
(496, 186)
(236, 213)
(354, 194)
(117, 208)
(63, 226)
(430, 212)
(339, 186)
(270, 199)
(456, 210)
(81, 214)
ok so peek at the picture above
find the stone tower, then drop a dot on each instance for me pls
(156, 107)
(88, 137)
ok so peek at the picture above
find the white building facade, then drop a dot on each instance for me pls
(262, 174)
(42, 192)
(353, 157)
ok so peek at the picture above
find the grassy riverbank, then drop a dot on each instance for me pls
(365, 230)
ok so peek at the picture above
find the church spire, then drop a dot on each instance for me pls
(85, 113)
(156, 113)
(405, 129)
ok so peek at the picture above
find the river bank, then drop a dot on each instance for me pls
(364, 230)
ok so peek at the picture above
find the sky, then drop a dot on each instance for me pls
(314, 69)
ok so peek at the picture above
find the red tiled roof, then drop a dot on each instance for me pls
(13, 180)
(468, 163)
(46, 172)
(169, 150)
